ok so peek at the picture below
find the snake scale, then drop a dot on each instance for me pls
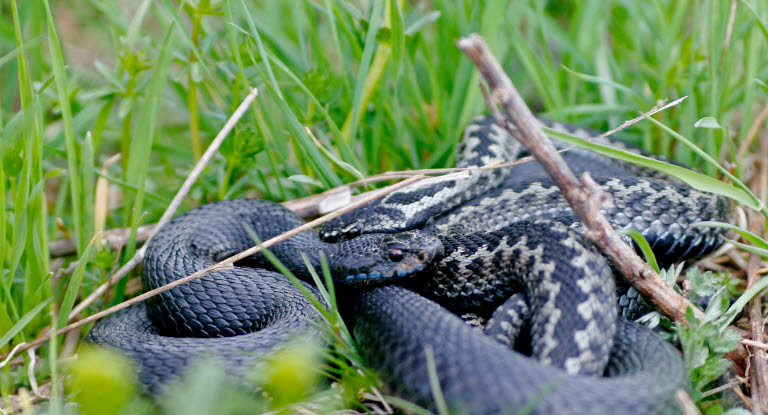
(500, 244)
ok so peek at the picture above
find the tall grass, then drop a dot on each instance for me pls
(379, 83)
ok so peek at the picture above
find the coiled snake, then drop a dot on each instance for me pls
(500, 240)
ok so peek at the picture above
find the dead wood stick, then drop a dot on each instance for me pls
(758, 376)
(585, 197)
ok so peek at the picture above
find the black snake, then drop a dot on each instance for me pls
(470, 243)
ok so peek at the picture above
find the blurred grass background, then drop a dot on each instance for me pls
(379, 83)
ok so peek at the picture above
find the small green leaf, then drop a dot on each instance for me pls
(384, 36)
(708, 122)
(124, 107)
(135, 27)
(194, 72)
(702, 284)
(726, 342)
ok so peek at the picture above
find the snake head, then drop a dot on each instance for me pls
(377, 258)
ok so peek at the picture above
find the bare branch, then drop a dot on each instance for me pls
(585, 197)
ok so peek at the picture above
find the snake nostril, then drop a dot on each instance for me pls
(395, 255)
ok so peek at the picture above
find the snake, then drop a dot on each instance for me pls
(499, 245)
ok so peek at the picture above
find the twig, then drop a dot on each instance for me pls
(753, 130)
(759, 374)
(9, 356)
(225, 264)
(586, 198)
(654, 110)
(752, 343)
(172, 207)
(721, 388)
(116, 238)
(305, 207)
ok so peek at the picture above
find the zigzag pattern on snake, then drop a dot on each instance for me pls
(488, 238)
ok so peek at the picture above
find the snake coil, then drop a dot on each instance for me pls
(500, 240)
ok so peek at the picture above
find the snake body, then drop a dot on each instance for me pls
(239, 315)
(469, 243)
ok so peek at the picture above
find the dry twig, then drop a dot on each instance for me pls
(759, 373)
(585, 197)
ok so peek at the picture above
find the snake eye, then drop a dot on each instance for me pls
(352, 233)
(395, 255)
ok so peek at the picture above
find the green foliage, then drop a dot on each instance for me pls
(704, 348)
(705, 342)
(291, 375)
(101, 381)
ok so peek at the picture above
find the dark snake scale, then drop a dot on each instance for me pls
(498, 247)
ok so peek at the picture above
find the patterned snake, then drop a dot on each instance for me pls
(501, 244)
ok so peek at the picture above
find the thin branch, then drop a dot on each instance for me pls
(173, 206)
(585, 197)
(752, 343)
(116, 238)
(654, 110)
(225, 264)
(759, 374)
(753, 130)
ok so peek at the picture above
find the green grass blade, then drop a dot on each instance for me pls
(601, 81)
(363, 82)
(75, 283)
(762, 252)
(760, 21)
(756, 203)
(397, 34)
(694, 179)
(134, 28)
(141, 144)
(23, 321)
(725, 320)
(749, 236)
(643, 244)
(62, 88)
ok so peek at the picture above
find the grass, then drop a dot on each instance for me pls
(381, 86)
